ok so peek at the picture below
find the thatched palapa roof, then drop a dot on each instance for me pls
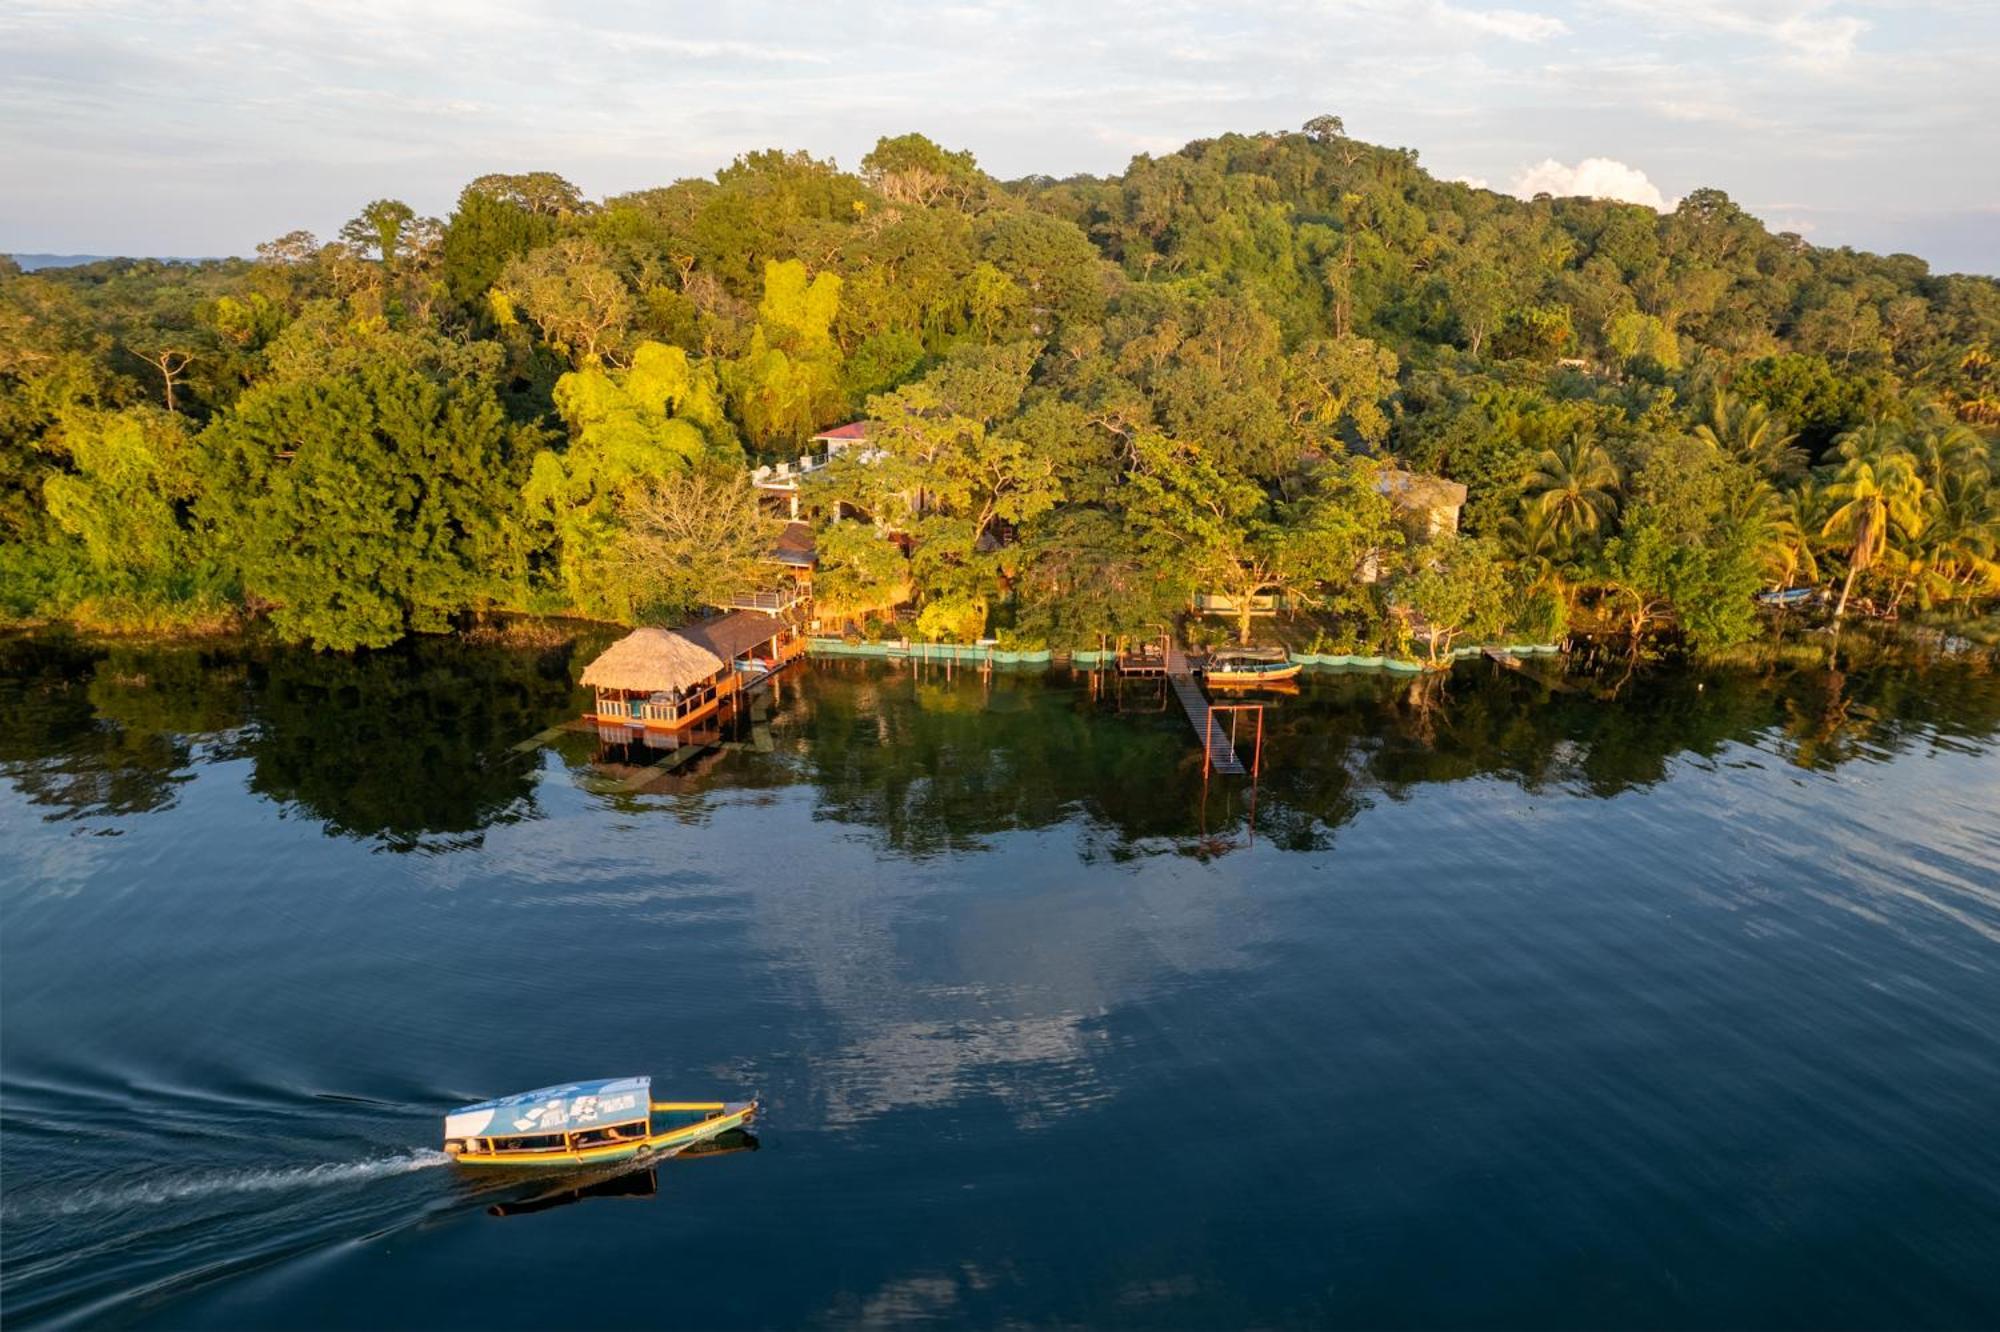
(648, 661)
(651, 661)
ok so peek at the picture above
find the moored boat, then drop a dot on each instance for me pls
(585, 1123)
(1250, 666)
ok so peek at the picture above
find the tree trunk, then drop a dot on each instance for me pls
(1846, 587)
(1243, 621)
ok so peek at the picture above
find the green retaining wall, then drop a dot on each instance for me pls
(1087, 658)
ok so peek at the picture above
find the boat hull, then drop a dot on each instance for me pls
(1239, 679)
(669, 1141)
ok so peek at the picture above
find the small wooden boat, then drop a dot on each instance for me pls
(585, 1123)
(1250, 666)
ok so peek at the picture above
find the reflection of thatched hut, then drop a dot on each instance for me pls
(671, 677)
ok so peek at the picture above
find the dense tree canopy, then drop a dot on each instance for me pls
(1093, 400)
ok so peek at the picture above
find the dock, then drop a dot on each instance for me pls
(1221, 752)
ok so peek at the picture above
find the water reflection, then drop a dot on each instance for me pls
(1048, 1036)
(405, 749)
(431, 745)
(641, 1183)
(638, 1182)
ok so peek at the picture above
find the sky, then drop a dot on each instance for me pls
(202, 127)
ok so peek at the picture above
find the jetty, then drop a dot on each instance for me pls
(1220, 755)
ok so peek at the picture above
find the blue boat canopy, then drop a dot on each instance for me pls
(571, 1107)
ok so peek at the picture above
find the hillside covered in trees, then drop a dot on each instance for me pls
(1093, 399)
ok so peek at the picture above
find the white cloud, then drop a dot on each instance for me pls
(1842, 104)
(1516, 24)
(1810, 37)
(1593, 177)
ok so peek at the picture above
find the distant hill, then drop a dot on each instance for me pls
(33, 262)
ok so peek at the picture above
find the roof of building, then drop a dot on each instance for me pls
(649, 661)
(731, 635)
(795, 547)
(1416, 491)
(853, 430)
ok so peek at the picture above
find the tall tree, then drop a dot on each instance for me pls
(1575, 484)
(368, 505)
(1875, 492)
(379, 229)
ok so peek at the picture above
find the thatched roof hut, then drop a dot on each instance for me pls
(656, 661)
(652, 661)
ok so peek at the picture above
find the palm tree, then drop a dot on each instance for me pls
(1962, 530)
(1749, 433)
(1754, 512)
(1877, 489)
(1801, 514)
(1572, 487)
(1946, 447)
(1531, 541)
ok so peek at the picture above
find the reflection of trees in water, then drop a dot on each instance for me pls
(415, 744)
(1490, 722)
(397, 746)
(88, 731)
(407, 744)
(931, 766)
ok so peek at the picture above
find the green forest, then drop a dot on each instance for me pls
(1093, 401)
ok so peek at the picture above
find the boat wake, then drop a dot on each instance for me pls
(182, 1188)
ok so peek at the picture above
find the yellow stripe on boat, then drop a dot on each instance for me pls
(718, 1117)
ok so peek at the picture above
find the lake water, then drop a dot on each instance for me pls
(1503, 1006)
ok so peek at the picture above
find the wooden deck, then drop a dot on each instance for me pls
(1221, 753)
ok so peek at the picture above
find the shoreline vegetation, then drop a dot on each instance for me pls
(1087, 410)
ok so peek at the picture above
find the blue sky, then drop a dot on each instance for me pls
(206, 126)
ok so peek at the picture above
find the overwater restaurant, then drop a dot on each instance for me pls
(670, 678)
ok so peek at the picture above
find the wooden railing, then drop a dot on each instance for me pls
(771, 603)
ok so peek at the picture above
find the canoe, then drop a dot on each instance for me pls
(585, 1124)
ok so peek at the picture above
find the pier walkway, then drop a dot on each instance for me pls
(1221, 753)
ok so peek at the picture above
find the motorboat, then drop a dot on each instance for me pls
(1249, 666)
(584, 1124)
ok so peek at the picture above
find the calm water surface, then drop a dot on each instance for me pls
(1505, 1006)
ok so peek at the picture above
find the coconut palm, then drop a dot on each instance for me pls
(1753, 512)
(1800, 516)
(1573, 486)
(1946, 447)
(1877, 491)
(1962, 530)
(1747, 432)
(1531, 541)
